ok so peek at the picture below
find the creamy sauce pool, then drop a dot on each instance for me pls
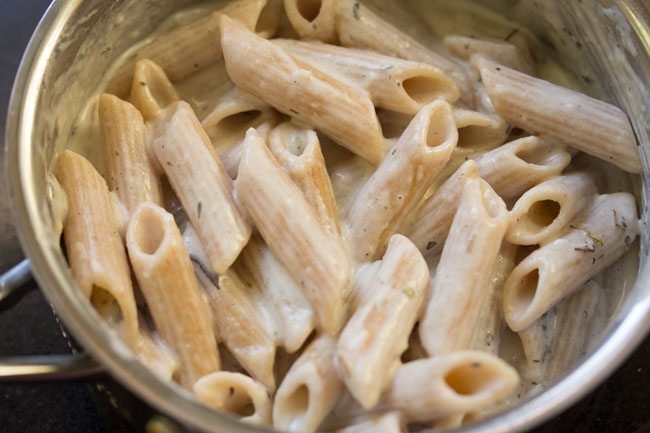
(348, 172)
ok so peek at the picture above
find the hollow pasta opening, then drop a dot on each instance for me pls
(296, 404)
(106, 305)
(536, 155)
(422, 89)
(309, 9)
(238, 121)
(150, 231)
(525, 291)
(471, 378)
(542, 214)
(298, 143)
(158, 89)
(491, 201)
(239, 403)
(439, 127)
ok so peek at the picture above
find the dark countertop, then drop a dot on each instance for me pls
(28, 326)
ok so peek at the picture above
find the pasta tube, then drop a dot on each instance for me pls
(291, 311)
(313, 257)
(451, 384)
(236, 394)
(292, 87)
(372, 341)
(599, 235)
(131, 172)
(191, 47)
(241, 319)
(166, 277)
(94, 247)
(519, 165)
(478, 132)
(204, 188)
(487, 337)
(592, 126)
(497, 51)
(359, 27)
(391, 422)
(545, 210)
(298, 151)
(458, 293)
(394, 84)
(436, 213)
(151, 91)
(313, 19)
(309, 390)
(397, 186)
(234, 112)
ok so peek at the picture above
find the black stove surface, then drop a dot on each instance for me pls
(28, 326)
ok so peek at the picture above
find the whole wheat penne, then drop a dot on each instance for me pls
(490, 325)
(234, 112)
(577, 320)
(131, 172)
(309, 390)
(294, 88)
(359, 27)
(397, 186)
(394, 84)
(236, 394)
(545, 210)
(290, 309)
(478, 131)
(298, 151)
(156, 354)
(202, 184)
(599, 235)
(94, 247)
(151, 91)
(517, 166)
(436, 213)
(451, 384)
(188, 48)
(312, 255)
(166, 277)
(540, 107)
(230, 153)
(458, 292)
(497, 51)
(243, 324)
(313, 19)
(536, 342)
(391, 422)
(372, 341)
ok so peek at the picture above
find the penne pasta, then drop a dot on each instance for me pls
(434, 217)
(371, 343)
(230, 154)
(191, 47)
(234, 112)
(237, 395)
(394, 84)
(313, 19)
(359, 27)
(295, 89)
(94, 247)
(131, 172)
(452, 384)
(292, 313)
(521, 164)
(165, 276)
(241, 319)
(151, 91)
(496, 51)
(592, 126)
(599, 235)
(202, 184)
(458, 293)
(540, 215)
(478, 132)
(313, 256)
(490, 324)
(391, 422)
(397, 186)
(309, 390)
(298, 151)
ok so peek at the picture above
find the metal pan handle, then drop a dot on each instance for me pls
(40, 368)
